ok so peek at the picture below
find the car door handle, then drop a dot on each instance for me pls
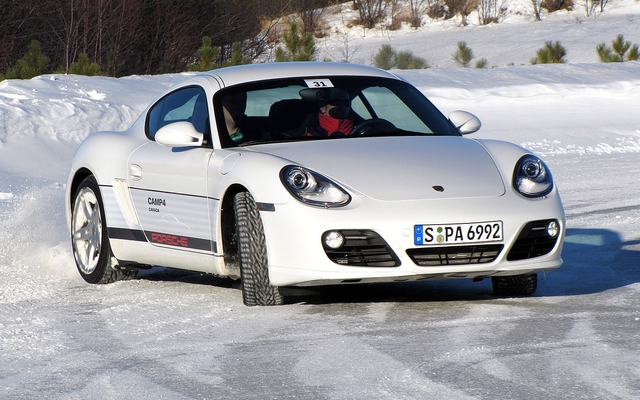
(135, 172)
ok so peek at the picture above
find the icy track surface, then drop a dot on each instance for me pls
(180, 335)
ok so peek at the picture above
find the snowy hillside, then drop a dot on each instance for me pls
(513, 41)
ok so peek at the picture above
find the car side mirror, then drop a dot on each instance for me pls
(179, 134)
(465, 122)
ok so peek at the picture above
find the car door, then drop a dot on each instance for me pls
(168, 185)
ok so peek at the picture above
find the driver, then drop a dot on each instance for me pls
(334, 117)
(234, 106)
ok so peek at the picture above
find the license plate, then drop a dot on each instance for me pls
(479, 232)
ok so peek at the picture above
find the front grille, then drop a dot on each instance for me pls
(532, 241)
(455, 255)
(363, 248)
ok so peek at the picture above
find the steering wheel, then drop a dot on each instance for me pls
(371, 125)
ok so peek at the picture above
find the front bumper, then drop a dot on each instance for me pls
(297, 257)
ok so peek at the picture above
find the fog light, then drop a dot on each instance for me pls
(553, 229)
(333, 239)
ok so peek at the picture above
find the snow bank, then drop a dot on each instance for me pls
(550, 109)
(69, 107)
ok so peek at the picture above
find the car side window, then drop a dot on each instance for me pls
(188, 104)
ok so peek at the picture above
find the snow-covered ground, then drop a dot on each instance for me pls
(181, 335)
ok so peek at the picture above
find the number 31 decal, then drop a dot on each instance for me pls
(318, 83)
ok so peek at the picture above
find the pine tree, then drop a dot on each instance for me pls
(32, 64)
(236, 56)
(297, 47)
(385, 58)
(407, 60)
(620, 47)
(550, 53)
(207, 56)
(84, 67)
(617, 52)
(604, 53)
(482, 63)
(463, 55)
(634, 53)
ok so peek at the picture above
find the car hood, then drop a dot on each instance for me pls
(400, 168)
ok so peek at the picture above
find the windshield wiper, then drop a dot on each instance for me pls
(382, 133)
(395, 132)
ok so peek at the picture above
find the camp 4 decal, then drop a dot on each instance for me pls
(156, 202)
(318, 83)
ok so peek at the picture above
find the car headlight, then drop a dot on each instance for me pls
(312, 188)
(532, 177)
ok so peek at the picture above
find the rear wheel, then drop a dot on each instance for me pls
(252, 251)
(515, 285)
(91, 249)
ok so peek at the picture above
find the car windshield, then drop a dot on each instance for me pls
(324, 108)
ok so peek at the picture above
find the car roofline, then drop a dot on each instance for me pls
(235, 75)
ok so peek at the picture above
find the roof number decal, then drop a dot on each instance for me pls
(318, 83)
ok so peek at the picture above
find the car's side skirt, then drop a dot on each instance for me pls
(182, 242)
(164, 256)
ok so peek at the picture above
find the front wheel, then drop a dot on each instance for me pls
(252, 251)
(91, 249)
(515, 285)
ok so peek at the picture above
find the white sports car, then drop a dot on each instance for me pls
(310, 174)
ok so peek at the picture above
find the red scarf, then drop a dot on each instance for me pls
(333, 125)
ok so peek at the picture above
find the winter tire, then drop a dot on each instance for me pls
(91, 249)
(252, 251)
(515, 285)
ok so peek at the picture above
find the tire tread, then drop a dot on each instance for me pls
(256, 287)
(515, 285)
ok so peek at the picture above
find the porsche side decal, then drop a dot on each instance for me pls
(179, 241)
(162, 238)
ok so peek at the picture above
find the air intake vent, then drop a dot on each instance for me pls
(533, 241)
(362, 249)
(455, 255)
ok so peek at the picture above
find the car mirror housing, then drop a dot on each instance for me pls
(465, 122)
(179, 134)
